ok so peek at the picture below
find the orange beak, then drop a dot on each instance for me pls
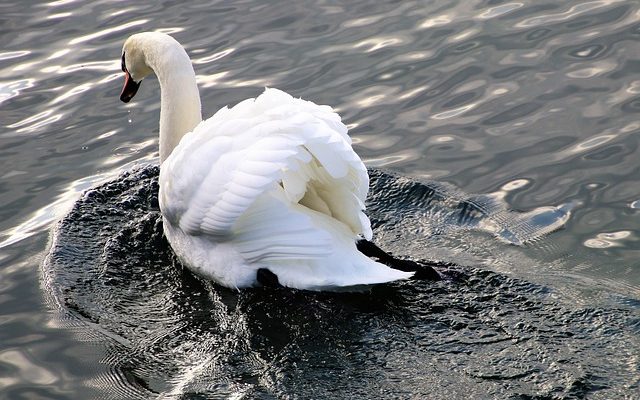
(129, 89)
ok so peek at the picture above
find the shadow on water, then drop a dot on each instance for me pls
(171, 335)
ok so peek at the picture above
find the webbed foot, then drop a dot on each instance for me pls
(421, 271)
(267, 278)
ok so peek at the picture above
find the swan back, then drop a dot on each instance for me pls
(272, 142)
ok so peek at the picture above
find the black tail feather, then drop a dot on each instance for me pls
(423, 271)
(267, 278)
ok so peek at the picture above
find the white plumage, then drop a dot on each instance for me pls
(272, 182)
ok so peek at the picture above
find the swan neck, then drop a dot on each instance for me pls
(180, 110)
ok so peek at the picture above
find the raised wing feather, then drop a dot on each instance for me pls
(259, 162)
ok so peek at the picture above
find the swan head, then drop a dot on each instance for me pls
(134, 65)
(138, 49)
(148, 52)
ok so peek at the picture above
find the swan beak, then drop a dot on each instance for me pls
(129, 89)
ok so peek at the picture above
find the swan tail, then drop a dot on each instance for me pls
(305, 249)
(342, 272)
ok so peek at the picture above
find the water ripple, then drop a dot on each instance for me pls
(105, 32)
(571, 13)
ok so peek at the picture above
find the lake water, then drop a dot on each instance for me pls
(530, 109)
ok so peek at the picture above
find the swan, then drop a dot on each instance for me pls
(267, 191)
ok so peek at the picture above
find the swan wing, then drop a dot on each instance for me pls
(261, 174)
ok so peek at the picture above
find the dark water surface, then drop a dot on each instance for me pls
(492, 106)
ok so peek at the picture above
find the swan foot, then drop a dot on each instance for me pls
(422, 271)
(267, 278)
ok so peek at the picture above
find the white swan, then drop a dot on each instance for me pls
(271, 184)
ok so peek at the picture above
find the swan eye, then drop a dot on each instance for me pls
(124, 67)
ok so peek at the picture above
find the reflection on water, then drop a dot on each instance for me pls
(530, 103)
